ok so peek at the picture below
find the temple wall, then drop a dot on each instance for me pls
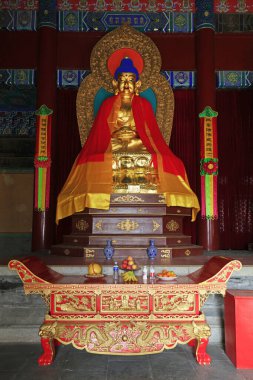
(16, 191)
(16, 208)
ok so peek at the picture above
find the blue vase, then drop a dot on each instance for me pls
(108, 250)
(152, 250)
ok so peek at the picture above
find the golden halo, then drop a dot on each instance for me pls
(125, 37)
(115, 59)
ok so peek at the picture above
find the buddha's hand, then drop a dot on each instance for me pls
(124, 133)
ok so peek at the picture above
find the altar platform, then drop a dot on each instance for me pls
(21, 316)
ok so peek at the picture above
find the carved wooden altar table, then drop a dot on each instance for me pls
(124, 319)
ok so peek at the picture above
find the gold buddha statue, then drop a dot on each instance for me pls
(125, 152)
(132, 163)
(125, 137)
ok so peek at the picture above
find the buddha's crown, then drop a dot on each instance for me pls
(126, 66)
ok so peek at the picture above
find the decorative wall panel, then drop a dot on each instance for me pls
(177, 79)
(233, 6)
(17, 77)
(77, 20)
(234, 79)
(18, 20)
(17, 124)
(128, 5)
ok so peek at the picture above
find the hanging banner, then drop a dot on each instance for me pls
(208, 163)
(42, 160)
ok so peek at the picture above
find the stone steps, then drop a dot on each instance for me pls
(126, 240)
(92, 252)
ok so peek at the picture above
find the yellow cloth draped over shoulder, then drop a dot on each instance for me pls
(90, 182)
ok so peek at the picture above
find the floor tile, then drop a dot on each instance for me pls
(19, 362)
(81, 375)
(81, 360)
(7, 375)
(122, 370)
(247, 374)
(41, 373)
(130, 358)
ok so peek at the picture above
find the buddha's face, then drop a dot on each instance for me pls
(126, 83)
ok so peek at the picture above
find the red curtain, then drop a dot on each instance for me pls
(185, 135)
(235, 180)
(68, 146)
(184, 143)
(68, 139)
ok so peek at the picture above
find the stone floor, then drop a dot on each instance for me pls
(19, 361)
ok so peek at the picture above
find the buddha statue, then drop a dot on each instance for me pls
(132, 165)
(125, 152)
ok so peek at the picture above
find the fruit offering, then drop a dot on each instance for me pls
(129, 264)
(94, 269)
(129, 277)
(167, 273)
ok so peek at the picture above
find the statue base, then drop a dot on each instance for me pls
(131, 221)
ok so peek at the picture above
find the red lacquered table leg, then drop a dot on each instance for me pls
(192, 343)
(57, 343)
(201, 355)
(49, 351)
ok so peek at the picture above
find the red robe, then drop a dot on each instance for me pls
(90, 181)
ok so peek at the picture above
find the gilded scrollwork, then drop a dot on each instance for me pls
(165, 253)
(156, 225)
(161, 198)
(127, 225)
(203, 295)
(224, 274)
(82, 225)
(115, 337)
(84, 336)
(99, 225)
(74, 304)
(172, 226)
(125, 303)
(201, 330)
(178, 303)
(167, 336)
(24, 273)
(128, 199)
(89, 253)
(48, 330)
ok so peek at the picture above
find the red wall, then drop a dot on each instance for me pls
(232, 51)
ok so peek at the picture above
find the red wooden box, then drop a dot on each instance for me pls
(239, 327)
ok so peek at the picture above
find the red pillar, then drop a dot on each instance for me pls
(208, 229)
(43, 221)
